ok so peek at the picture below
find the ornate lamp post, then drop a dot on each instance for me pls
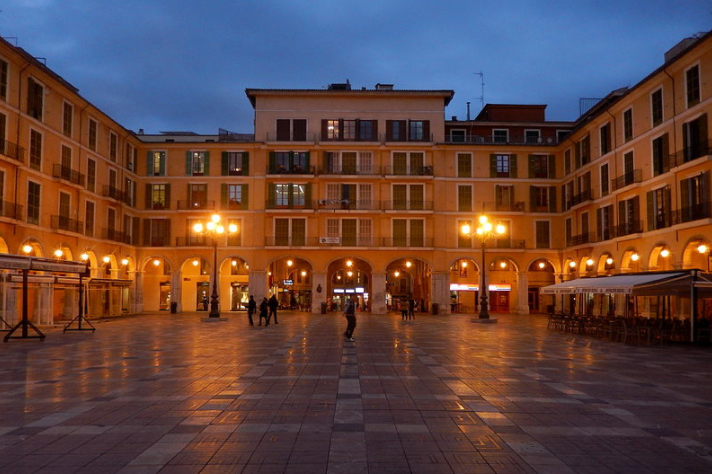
(484, 231)
(212, 229)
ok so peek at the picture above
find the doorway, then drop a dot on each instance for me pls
(164, 296)
(202, 288)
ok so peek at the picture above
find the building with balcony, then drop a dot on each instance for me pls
(342, 191)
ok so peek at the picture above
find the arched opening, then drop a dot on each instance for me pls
(158, 293)
(406, 279)
(464, 285)
(290, 280)
(345, 277)
(540, 274)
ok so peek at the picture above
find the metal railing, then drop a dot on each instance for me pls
(468, 139)
(415, 205)
(584, 238)
(692, 213)
(11, 210)
(408, 170)
(349, 171)
(66, 223)
(631, 177)
(347, 204)
(690, 153)
(628, 228)
(68, 174)
(276, 169)
(11, 150)
(583, 196)
(195, 205)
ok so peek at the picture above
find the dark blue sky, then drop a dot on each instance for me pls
(184, 64)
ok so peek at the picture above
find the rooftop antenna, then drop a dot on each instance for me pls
(482, 86)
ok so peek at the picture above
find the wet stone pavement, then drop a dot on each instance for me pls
(172, 394)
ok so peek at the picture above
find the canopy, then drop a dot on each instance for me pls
(638, 284)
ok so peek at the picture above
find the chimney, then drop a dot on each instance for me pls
(384, 87)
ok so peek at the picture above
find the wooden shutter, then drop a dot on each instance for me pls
(283, 130)
(532, 199)
(271, 190)
(308, 163)
(512, 166)
(136, 228)
(426, 130)
(223, 196)
(599, 223)
(147, 232)
(188, 163)
(206, 166)
(168, 196)
(621, 215)
(493, 165)
(531, 165)
(389, 130)
(551, 163)
(149, 197)
(224, 164)
(649, 199)
(299, 132)
(272, 162)
(374, 130)
(324, 130)
(149, 163)
(552, 199)
(245, 163)
(245, 196)
(307, 196)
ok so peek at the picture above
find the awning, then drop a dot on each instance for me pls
(629, 284)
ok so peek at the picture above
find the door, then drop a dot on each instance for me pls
(202, 299)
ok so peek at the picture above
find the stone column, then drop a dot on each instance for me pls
(440, 292)
(177, 289)
(138, 292)
(259, 285)
(377, 298)
(522, 293)
(318, 291)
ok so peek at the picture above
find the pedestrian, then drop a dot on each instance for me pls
(263, 312)
(404, 309)
(350, 315)
(411, 308)
(251, 309)
(273, 305)
(293, 303)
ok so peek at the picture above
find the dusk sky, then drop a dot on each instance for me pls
(184, 65)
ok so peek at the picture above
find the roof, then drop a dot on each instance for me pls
(446, 94)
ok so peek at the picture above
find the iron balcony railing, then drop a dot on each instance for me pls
(66, 223)
(195, 204)
(628, 228)
(68, 174)
(11, 210)
(584, 238)
(349, 170)
(468, 139)
(583, 196)
(631, 177)
(694, 212)
(278, 169)
(408, 170)
(415, 205)
(116, 235)
(690, 153)
(12, 150)
(347, 205)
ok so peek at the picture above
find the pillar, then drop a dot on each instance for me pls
(440, 291)
(259, 285)
(138, 292)
(318, 291)
(377, 298)
(522, 293)
(177, 289)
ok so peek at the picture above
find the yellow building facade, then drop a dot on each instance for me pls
(342, 191)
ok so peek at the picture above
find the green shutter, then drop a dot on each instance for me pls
(246, 163)
(188, 163)
(552, 199)
(271, 190)
(223, 163)
(552, 166)
(308, 164)
(223, 196)
(493, 165)
(307, 195)
(272, 162)
(531, 166)
(532, 199)
(651, 211)
(162, 164)
(149, 163)
(206, 168)
(147, 232)
(149, 204)
(245, 196)
(599, 223)
(668, 208)
(168, 196)
(513, 166)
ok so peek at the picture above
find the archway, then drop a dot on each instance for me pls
(290, 280)
(158, 291)
(465, 278)
(346, 277)
(408, 278)
(540, 273)
(697, 254)
(661, 258)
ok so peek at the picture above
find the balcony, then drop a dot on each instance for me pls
(195, 205)
(632, 177)
(500, 243)
(115, 193)
(158, 206)
(68, 174)
(347, 205)
(279, 205)
(468, 139)
(584, 238)
(408, 171)
(692, 213)
(628, 228)
(581, 197)
(499, 206)
(337, 170)
(116, 235)
(11, 210)
(415, 205)
(12, 150)
(283, 170)
(690, 153)
(233, 205)
(65, 223)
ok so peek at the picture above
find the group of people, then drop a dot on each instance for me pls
(407, 308)
(268, 309)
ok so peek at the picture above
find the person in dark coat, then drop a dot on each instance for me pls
(411, 308)
(251, 309)
(273, 305)
(350, 314)
(263, 312)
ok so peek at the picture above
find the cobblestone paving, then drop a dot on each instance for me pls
(172, 394)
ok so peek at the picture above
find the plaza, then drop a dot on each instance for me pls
(169, 393)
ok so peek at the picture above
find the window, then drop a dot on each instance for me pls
(131, 226)
(605, 138)
(289, 196)
(35, 149)
(290, 231)
(130, 157)
(503, 166)
(156, 232)
(113, 146)
(661, 155)
(3, 79)
(395, 130)
(464, 165)
(67, 119)
(289, 162)
(583, 152)
(532, 136)
(542, 199)
(35, 99)
(542, 166)
(694, 138)
(198, 195)
(197, 163)
(628, 125)
(408, 232)
(568, 231)
(352, 232)
(464, 197)
(543, 234)
(234, 239)
(349, 162)
(605, 188)
(408, 196)
(604, 224)
(3, 145)
(500, 135)
(692, 83)
(348, 196)
(66, 163)
(658, 207)
(629, 216)
(628, 169)
(418, 131)
(410, 164)
(91, 175)
(157, 196)
(504, 197)
(464, 240)
(235, 163)
(234, 196)
(93, 132)
(33, 202)
(292, 130)
(567, 195)
(130, 192)
(64, 206)
(567, 161)
(350, 130)
(656, 107)
(156, 162)
(694, 198)
(89, 211)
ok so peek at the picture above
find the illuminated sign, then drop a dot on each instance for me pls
(287, 282)
(471, 287)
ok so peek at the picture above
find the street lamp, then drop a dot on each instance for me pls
(212, 229)
(484, 231)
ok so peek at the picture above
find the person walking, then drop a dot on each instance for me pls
(273, 305)
(350, 314)
(251, 309)
(411, 308)
(263, 312)
(404, 309)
